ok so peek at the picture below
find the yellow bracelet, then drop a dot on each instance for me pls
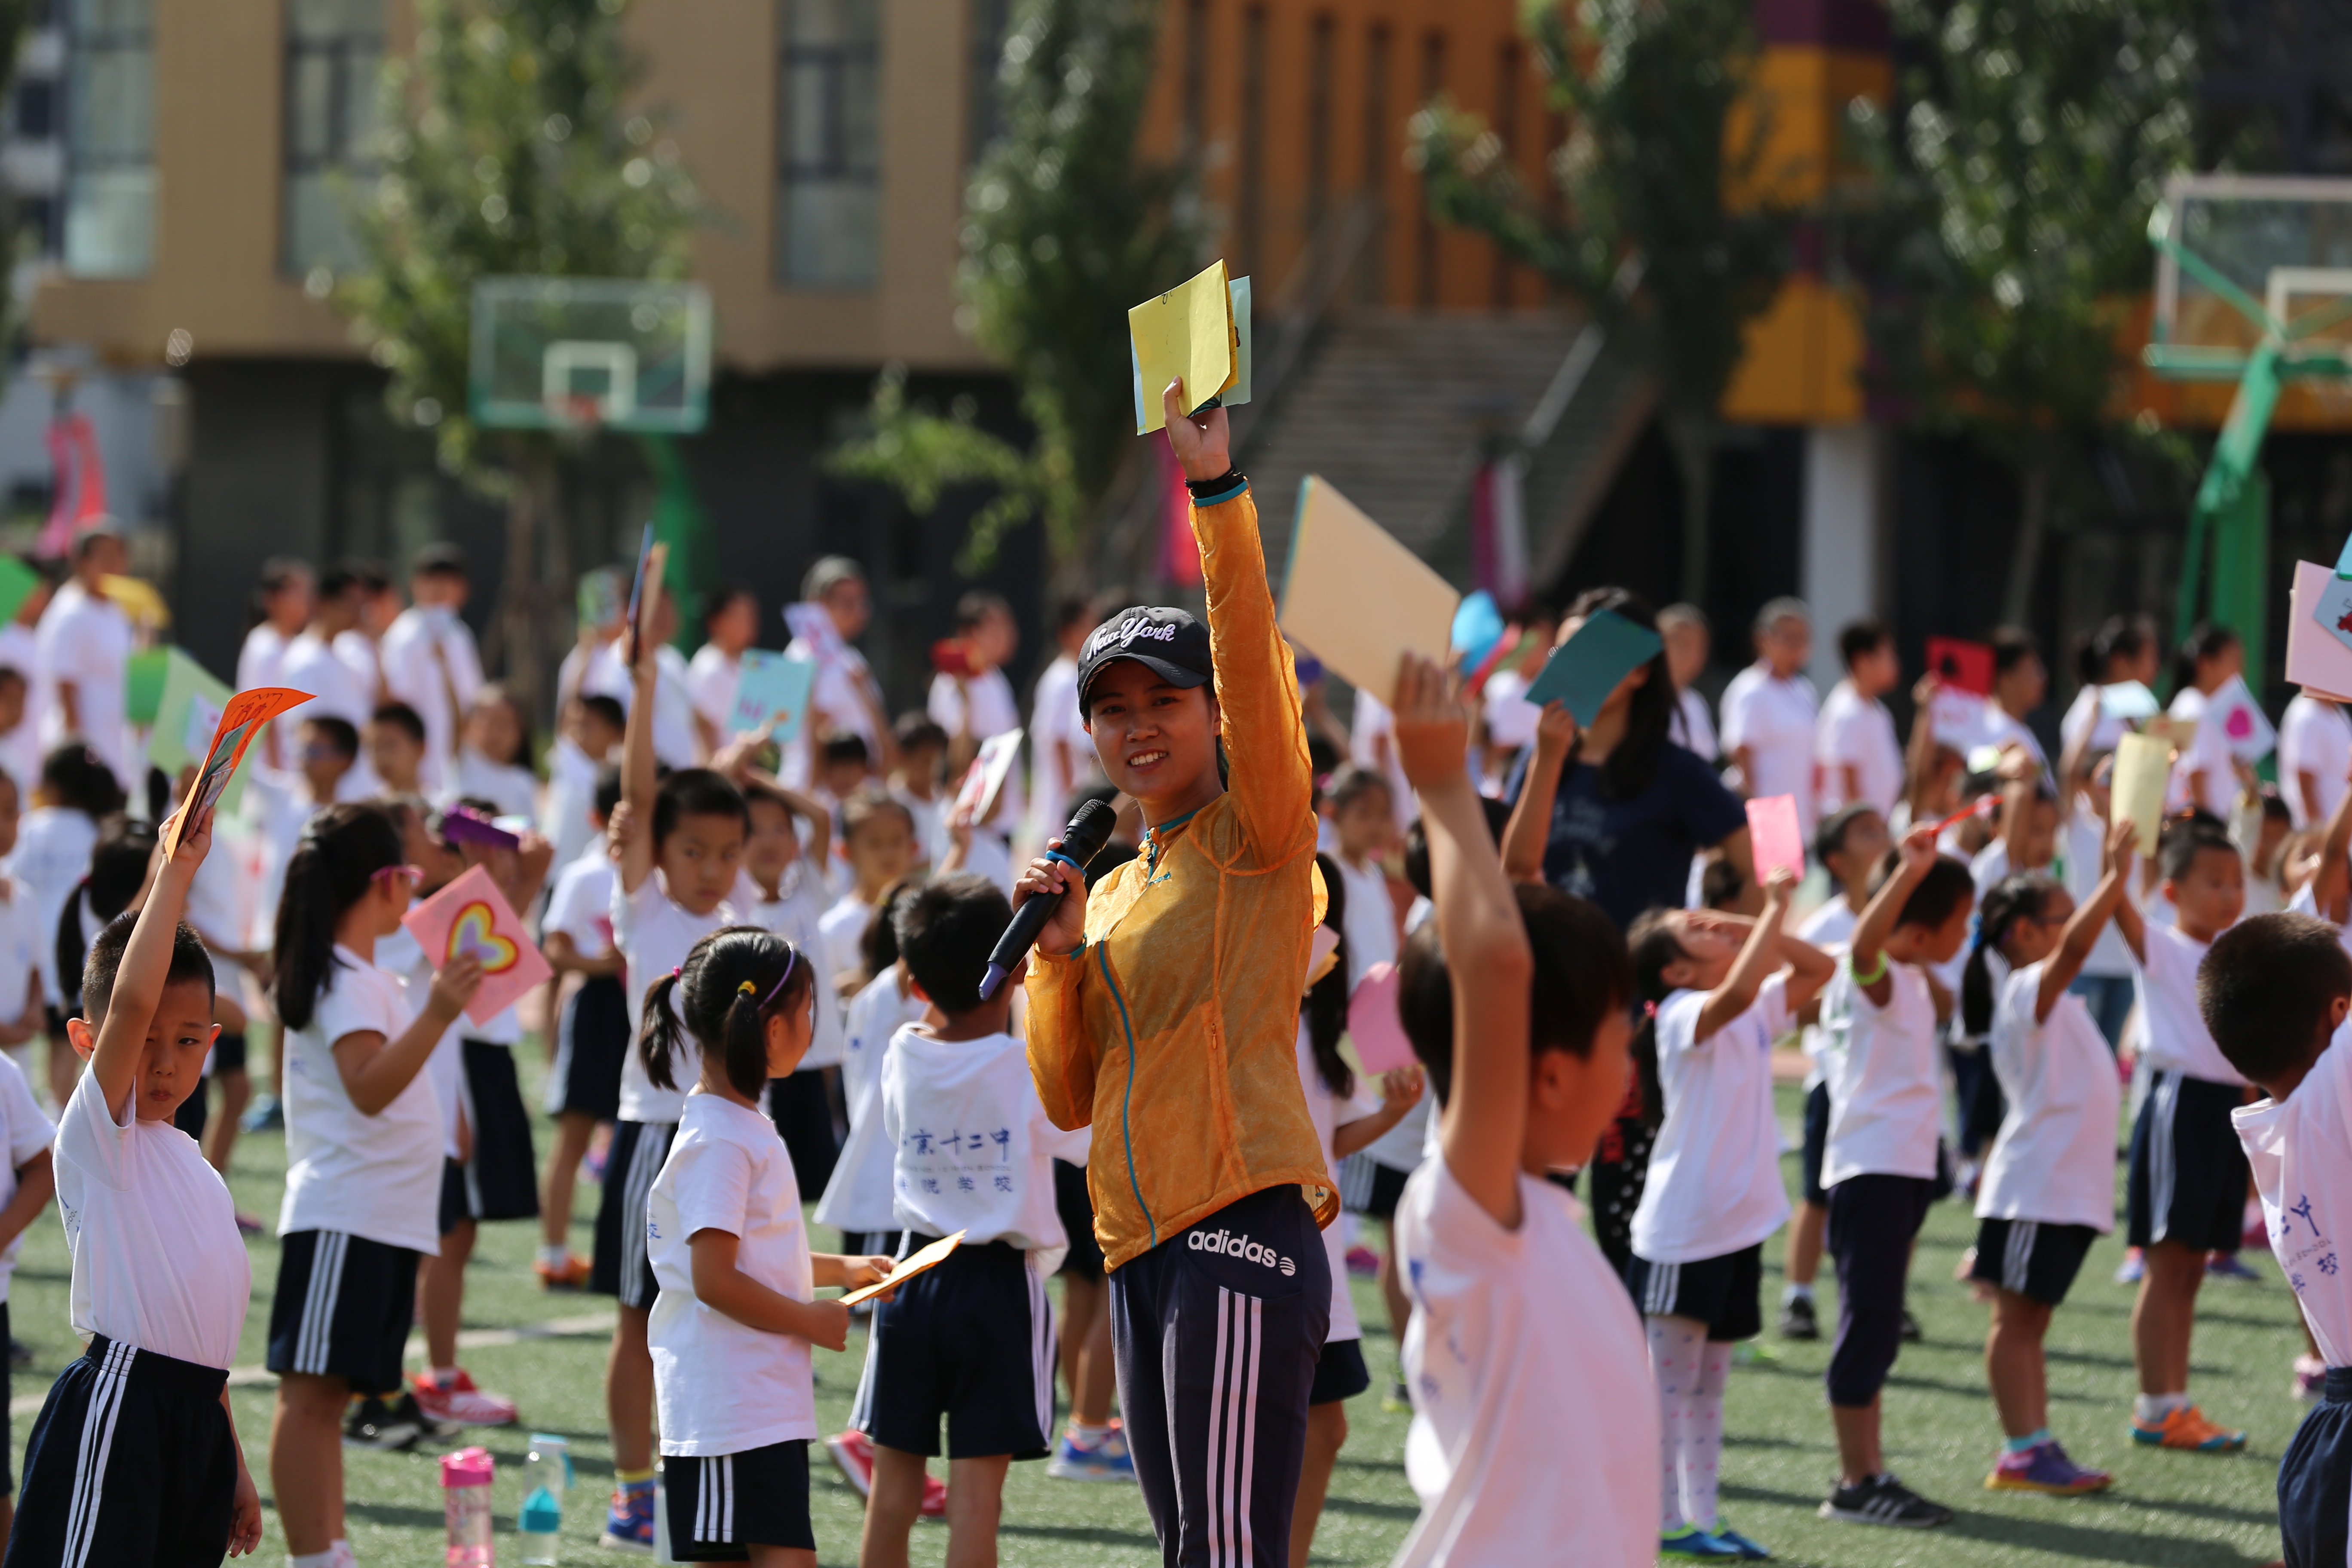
(1877, 973)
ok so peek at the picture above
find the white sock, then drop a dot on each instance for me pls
(1702, 1440)
(312, 1559)
(555, 1256)
(1675, 1346)
(345, 1556)
(1088, 1437)
(445, 1375)
(1796, 1293)
(2157, 1406)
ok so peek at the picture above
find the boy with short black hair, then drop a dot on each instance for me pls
(2273, 992)
(971, 1339)
(395, 747)
(135, 1457)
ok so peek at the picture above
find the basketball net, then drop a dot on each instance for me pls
(578, 414)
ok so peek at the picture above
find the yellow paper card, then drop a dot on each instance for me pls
(931, 1257)
(2143, 767)
(1356, 598)
(1187, 332)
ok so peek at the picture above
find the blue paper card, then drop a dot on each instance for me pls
(1477, 627)
(771, 686)
(1584, 670)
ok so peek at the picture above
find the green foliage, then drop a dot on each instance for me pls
(1066, 224)
(1663, 214)
(2004, 233)
(509, 146)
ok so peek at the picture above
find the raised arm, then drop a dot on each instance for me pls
(637, 775)
(1486, 945)
(1760, 956)
(2332, 883)
(2020, 783)
(1919, 752)
(1877, 923)
(122, 1037)
(1529, 833)
(1259, 713)
(2090, 918)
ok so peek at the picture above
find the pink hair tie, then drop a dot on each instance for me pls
(1650, 1011)
(676, 972)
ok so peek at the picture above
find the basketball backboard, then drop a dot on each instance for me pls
(569, 354)
(2242, 257)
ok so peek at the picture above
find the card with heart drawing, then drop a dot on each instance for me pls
(470, 915)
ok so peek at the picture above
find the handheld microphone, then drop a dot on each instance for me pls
(1082, 840)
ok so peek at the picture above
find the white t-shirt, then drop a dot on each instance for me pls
(357, 651)
(1829, 928)
(337, 691)
(676, 743)
(512, 789)
(843, 927)
(51, 857)
(2055, 1159)
(2177, 1040)
(1511, 719)
(2085, 843)
(1882, 1069)
(25, 1132)
(1373, 725)
(859, 1196)
(843, 698)
(571, 796)
(157, 1260)
(1715, 1171)
(279, 806)
(1370, 924)
(972, 1149)
(2314, 737)
(796, 914)
(711, 676)
(654, 932)
(416, 645)
(1858, 732)
(581, 907)
(1514, 1333)
(258, 661)
(1773, 719)
(2208, 752)
(373, 1176)
(2301, 1152)
(85, 639)
(1329, 1112)
(722, 1387)
(1054, 718)
(994, 709)
(1690, 728)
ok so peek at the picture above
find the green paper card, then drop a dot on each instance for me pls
(187, 711)
(17, 582)
(143, 684)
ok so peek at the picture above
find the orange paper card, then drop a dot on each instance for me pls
(242, 719)
(470, 915)
(914, 1263)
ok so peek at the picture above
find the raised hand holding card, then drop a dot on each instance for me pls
(1582, 671)
(240, 721)
(1774, 838)
(1356, 597)
(2143, 768)
(1956, 662)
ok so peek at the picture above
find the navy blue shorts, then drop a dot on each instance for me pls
(342, 1308)
(132, 1461)
(2188, 1171)
(1340, 1373)
(971, 1342)
(592, 1044)
(1817, 1143)
(1873, 1218)
(1725, 1293)
(802, 1108)
(502, 1175)
(620, 1268)
(722, 1504)
(2314, 1483)
(2034, 1257)
(1075, 1205)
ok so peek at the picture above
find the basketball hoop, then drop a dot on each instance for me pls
(578, 414)
(579, 355)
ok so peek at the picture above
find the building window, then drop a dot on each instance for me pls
(111, 138)
(829, 158)
(989, 20)
(332, 50)
(36, 115)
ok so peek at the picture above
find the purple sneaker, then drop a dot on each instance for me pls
(2044, 1467)
(2229, 1266)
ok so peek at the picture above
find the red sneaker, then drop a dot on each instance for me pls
(852, 1456)
(458, 1402)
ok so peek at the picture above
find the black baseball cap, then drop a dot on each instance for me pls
(1169, 642)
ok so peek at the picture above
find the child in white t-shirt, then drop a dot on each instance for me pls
(2049, 1186)
(1880, 1162)
(21, 940)
(1770, 711)
(135, 1457)
(681, 853)
(2187, 1191)
(364, 1144)
(492, 762)
(779, 892)
(76, 788)
(1516, 1315)
(592, 1036)
(857, 1201)
(26, 1184)
(1715, 995)
(736, 1312)
(877, 836)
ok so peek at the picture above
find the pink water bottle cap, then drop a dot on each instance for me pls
(466, 1467)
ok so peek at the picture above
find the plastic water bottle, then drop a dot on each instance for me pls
(465, 1478)
(546, 1477)
(661, 1518)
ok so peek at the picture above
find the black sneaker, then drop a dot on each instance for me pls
(373, 1424)
(405, 1408)
(20, 1355)
(1797, 1321)
(1911, 1332)
(1882, 1500)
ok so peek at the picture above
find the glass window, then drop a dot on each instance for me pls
(332, 50)
(111, 138)
(829, 153)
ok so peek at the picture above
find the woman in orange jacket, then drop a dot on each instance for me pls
(1163, 1013)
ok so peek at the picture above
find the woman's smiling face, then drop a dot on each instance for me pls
(1155, 738)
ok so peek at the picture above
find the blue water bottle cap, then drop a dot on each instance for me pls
(541, 1513)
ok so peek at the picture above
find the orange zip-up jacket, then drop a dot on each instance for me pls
(1174, 1030)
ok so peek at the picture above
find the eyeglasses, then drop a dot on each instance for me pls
(413, 873)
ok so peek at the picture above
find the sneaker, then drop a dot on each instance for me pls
(265, 1115)
(1398, 1400)
(1108, 1460)
(935, 1497)
(1363, 1262)
(2310, 1377)
(373, 1424)
(249, 1224)
(629, 1522)
(2187, 1428)
(852, 1456)
(1882, 1500)
(2044, 1467)
(1799, 1320)
(572, 1274)
(2229, 1266)
(1749, 1549)
(1693, 1544)
(1911, 1332)
(2133, 1265)
(457, 1403)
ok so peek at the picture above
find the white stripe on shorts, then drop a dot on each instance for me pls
(2017, 1257)
(645, 1165)
(1232, 1428)
(1041, 1348)
(314, 1337)
(97, 1447)
(2160, 1153)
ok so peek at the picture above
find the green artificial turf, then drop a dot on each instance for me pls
(2167, 1509)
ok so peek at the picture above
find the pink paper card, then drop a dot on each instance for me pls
(470, 915)
(2315, 657)
(1374, 1023)
(1774, 839)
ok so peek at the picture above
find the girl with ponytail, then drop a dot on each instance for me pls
(2049, 1185)
(736, 1313)
(364, 1153)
